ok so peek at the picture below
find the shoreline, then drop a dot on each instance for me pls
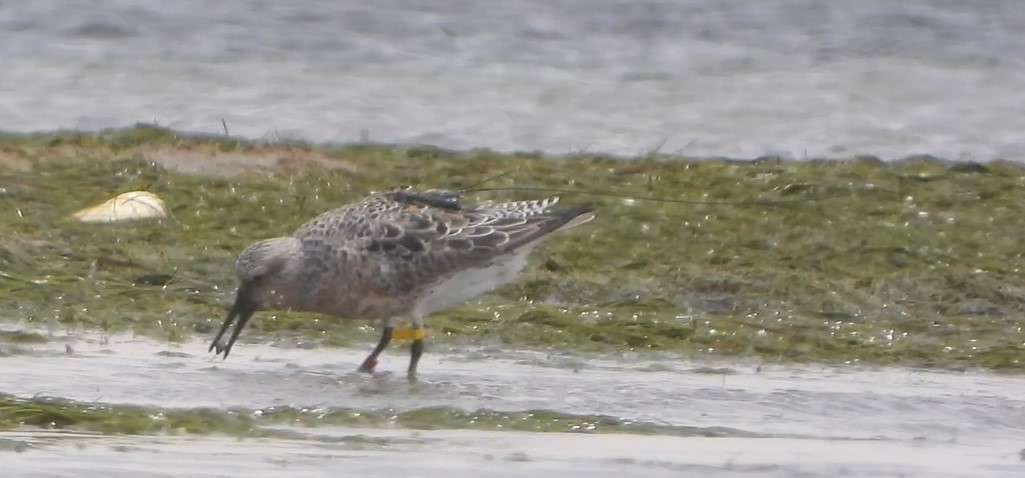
(119, 383)
(144, 135)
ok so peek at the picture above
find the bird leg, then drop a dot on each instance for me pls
(415, 352)
(371, 361)
(415, 333)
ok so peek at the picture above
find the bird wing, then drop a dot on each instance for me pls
(460, 236)
(420, 237)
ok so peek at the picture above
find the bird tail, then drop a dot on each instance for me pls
(581, 214)
(552, 220)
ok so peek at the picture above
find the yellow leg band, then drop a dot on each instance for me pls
(407, 334)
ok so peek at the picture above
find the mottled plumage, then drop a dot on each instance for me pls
(399, 253)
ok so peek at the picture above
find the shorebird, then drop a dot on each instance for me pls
(396, 254)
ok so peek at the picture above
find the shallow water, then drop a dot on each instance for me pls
(699, 77)
(720, 419)
(450, 454)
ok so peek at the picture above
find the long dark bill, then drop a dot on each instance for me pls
(239, 314)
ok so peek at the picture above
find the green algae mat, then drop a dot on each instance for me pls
(913, 262)
(54, 413)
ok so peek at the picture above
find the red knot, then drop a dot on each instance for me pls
(396, 254)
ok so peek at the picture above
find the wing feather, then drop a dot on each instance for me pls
(423, 236)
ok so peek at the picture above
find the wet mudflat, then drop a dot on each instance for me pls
(508, 412)
(865, 321)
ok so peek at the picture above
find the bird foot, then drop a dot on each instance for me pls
(368, 365)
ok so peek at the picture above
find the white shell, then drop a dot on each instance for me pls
(125, 207)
